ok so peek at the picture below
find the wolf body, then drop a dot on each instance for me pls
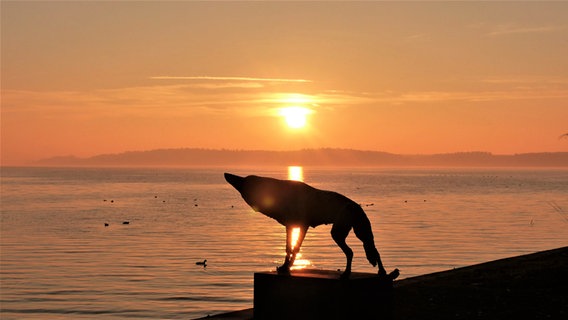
(295, 204)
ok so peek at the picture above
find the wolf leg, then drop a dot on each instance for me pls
(363, 231)
(382, 271)
(292, 251)
(296, 248)
(339, 233)
(285, 267)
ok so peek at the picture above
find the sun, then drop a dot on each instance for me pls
(295, 117)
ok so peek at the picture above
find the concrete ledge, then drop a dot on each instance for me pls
(321, 294)
(530, 286)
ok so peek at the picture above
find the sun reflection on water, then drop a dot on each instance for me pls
(300, 263)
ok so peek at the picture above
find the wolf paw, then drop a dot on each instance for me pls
(394, 274)
(283, 269)
(389, 277)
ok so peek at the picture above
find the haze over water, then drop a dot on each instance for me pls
(58, 260)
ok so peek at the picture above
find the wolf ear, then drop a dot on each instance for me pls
(236, 181)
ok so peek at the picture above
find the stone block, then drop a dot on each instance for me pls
(321, 294)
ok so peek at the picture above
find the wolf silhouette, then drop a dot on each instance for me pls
(296, 204)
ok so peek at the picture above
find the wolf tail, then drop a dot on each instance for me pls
(363, 231)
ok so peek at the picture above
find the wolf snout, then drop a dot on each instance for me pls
(234, 180)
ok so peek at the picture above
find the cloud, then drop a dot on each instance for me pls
(496, 95)
(527, 80)
(527, 92)
(150, 101)
(508, 29)
(222, 78)
(187, 99)
(418, 37)
(224, 82)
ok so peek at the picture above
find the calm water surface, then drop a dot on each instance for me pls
(58, 260)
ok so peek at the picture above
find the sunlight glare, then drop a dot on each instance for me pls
(295, 117)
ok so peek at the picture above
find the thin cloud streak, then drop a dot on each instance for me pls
(213, 78)
(389, 97)
(441, 96)
(181, 98)
(509, 29)
(503, 30)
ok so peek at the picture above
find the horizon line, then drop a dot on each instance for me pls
(301, 150)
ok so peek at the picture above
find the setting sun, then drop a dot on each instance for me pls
(295, 117)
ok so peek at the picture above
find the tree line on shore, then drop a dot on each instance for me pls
(308, 157)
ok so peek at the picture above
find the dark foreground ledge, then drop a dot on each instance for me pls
(321, 294)
(531, 286)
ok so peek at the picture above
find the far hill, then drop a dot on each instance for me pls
(308, 157)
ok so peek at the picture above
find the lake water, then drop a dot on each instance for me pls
(59, 260)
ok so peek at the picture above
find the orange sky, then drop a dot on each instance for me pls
(85, 78)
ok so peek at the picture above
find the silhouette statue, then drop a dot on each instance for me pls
(296, 204)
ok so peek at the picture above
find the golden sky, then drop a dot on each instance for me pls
(85, 78)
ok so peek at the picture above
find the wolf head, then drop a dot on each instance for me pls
(236, 181)
(289, 202)
(250, 188)
(266, 195)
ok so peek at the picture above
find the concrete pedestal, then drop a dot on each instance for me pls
(321, 294)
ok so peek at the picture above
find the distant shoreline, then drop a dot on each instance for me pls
(325, 157)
